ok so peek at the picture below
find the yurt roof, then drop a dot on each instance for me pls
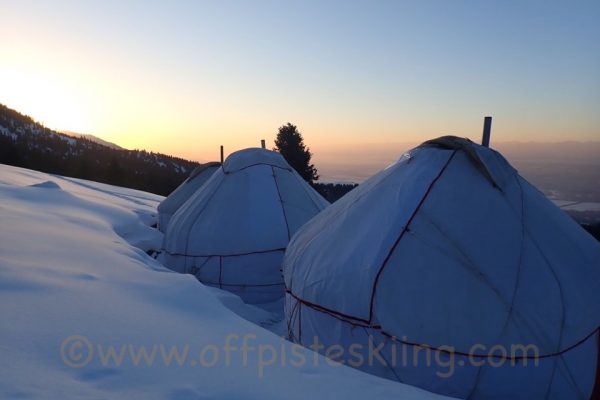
(253, 156)
(255, 203)
(450, 246)
(201, 168)
(174, 200)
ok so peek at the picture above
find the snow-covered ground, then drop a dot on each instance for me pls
(574, 205)
(81, 301)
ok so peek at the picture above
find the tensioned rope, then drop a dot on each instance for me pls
(223, 255)
(253, 165)
(287, 225)
(348, 320)
(367, 322)
(404, 230)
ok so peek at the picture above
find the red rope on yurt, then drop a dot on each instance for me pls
(339, 315)
(253, 165)
(404, 230)
(224, 255)
(596, 391)
(287, 225)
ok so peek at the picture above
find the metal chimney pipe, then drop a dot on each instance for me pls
(221, 154)
(487, 131)
(262, 144)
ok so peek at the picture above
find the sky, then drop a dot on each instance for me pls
(183, 77)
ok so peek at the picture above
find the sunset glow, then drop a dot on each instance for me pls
(184, 78)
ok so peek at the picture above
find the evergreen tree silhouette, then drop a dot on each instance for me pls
(290, 144)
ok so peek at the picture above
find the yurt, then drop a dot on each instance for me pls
(171, 204)
(232, 232)
(450, 272)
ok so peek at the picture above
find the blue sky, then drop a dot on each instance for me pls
(160, 75)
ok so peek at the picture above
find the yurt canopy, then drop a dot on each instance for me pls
(232, 233)
(450, 248)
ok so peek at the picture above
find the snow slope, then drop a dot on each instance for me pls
(93, 138)
(75, 280)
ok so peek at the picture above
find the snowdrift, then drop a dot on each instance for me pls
(76, 283)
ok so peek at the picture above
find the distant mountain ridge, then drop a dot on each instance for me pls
(28, 144)
(93, 138)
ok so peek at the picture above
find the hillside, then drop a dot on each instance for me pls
(26, 143)
(93, 138)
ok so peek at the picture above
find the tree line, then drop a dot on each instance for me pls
(25, 143)
(28, 144)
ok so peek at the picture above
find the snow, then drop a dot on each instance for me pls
(35, 130)
(6, 132)
(94, 139)
(75, 279)
(574, 205)
(71, 141)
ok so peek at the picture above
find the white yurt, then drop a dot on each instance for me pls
(232, 233)
(171, 204)
(450, 272)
